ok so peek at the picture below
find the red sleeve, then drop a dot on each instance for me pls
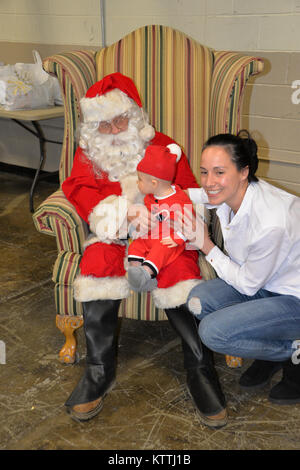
(83, 189)
(184, 176)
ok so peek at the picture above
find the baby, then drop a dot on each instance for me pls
(147, 255)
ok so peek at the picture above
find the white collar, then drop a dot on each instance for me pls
(165, 197)
(223, 210)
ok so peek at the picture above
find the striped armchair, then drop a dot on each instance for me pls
(190, 92)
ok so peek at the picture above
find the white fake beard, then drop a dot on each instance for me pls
(118, 155)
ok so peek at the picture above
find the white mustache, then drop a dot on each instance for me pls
(116, 154)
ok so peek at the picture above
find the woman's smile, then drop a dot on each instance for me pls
(221, 179)
(211, 192)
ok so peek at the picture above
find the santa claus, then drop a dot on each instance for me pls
(103, 188)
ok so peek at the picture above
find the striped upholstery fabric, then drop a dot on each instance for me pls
(230, 75)
(57, 217)
(166, 66)
(76, 72)
(190, 92)
(64, 273)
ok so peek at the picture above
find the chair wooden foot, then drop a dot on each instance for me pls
(68, 325)
(233, 361)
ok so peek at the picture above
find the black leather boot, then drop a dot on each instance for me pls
(100, 326)
(259, 374)
(202, 379)
(287, 391)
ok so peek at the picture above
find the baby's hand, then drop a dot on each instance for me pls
(141, 221)
(169, 242)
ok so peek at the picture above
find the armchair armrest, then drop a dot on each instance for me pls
(76, 72)
(56, 216)
(230, 75)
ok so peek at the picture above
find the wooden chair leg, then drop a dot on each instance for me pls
(68, 325)
(233, 361)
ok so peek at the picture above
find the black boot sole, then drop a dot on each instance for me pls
(82, 417)
(206, 420)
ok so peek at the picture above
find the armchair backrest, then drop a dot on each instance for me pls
(173, 75)
(76, 72)
(189, 90)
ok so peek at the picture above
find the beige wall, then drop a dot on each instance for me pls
(268, 28)
(274, 119)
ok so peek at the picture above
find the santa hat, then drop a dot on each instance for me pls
(111, 97)
(160, 161)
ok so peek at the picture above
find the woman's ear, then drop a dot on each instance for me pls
(245, 172)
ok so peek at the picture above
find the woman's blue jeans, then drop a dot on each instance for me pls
(263, 326)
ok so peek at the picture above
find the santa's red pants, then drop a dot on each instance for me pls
(103, 260)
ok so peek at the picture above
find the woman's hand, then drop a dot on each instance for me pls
(195, 229)
(140, 220)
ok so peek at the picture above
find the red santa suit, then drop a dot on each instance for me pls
(103, 204)
(149, 250)
(160, 163)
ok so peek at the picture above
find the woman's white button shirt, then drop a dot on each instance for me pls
(262, 240)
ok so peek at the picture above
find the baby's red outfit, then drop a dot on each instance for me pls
(150, 250)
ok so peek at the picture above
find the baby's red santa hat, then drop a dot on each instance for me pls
(160, 162)
(111, 97)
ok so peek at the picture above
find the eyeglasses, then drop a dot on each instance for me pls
(120, 122)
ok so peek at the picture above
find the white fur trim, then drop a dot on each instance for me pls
(105, 107)
(107, 218)
(147, 132)
(176, 150)
(195, 306)
(174, 296)
(87, 288)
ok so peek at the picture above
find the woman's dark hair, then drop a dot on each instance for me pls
(241, 148)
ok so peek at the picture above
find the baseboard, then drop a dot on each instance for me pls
(52, 177)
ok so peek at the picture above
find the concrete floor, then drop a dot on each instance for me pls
(149, 408)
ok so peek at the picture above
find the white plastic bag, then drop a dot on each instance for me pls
(28, 86)
(56, 91)
(32, 73)
(7, 76)
(14, 94)
(7, 70)
(39, 75)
